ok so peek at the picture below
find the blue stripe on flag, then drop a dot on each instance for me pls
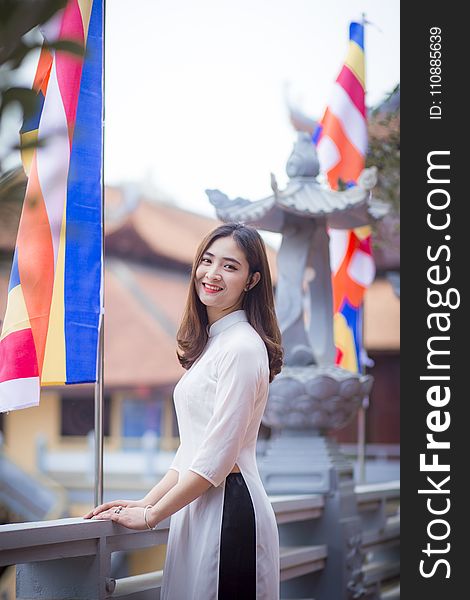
(316, 134)
(353, 320)
(84, 229)
(15, 274)
(356, 34)
(32, 122)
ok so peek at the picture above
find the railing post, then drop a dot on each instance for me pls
(78, 577)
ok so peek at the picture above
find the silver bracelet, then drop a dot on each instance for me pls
(145, 517)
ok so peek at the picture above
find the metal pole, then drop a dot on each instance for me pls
(99, 402)
(361, 415)
(99, 385)
(361, 439)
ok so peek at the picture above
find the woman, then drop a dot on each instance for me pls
(223, 540)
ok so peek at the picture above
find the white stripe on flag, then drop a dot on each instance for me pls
(361, 268)
(354, 124)
(25, 393)
(328, 154)
(53, 158)
(339, 239)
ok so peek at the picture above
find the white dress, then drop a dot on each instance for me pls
(219, 403)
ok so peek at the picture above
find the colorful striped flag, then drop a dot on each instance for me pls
(341, 140)
(50, 330)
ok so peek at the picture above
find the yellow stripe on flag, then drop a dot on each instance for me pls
(16, 316)
(363, 232)
(54, 368)
(85, 10)
(355, 61)
(28, 138)
(344, 340)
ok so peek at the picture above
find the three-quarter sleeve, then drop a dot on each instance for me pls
(239, 373)
(176, 463)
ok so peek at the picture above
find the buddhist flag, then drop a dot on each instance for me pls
(341, 140)
(50, 330)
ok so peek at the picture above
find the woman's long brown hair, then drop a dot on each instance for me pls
(258, 302)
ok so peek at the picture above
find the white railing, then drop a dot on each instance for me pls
(71, 558)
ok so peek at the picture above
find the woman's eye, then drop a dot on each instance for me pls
(205, 260)
(231, 267)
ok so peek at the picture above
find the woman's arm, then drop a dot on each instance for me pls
(168, 481)
(163, 487)
(182, 493)
(185, 491)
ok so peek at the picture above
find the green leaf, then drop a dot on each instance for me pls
(26, 97)
(69, 46)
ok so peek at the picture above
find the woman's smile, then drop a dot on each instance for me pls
(211, 289)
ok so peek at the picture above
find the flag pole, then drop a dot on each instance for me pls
(99, 396)
(361, 415)
(99, 385)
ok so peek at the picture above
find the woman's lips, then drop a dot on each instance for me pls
(211, 289)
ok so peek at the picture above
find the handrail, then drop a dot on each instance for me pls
(73, 538)
(136, 583)
(371, 491)
(65, 538)
(47, 540)
(379, 451)
(290, 509)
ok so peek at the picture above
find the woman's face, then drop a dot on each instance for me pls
(221, 278)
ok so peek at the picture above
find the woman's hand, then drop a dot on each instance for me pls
(113, 505)
(130, 516)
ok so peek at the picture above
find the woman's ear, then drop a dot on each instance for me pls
(254, 279)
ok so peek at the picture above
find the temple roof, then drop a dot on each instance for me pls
(305, 197)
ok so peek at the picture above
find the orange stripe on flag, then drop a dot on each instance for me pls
(36, 261)
(43, 71)
(352, 161)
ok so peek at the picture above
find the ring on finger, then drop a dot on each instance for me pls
(118, 509)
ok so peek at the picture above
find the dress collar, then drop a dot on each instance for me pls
(225, 322)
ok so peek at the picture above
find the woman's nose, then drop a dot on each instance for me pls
(213, 272)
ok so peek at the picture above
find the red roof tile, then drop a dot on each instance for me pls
(139, 350)
(168, 231)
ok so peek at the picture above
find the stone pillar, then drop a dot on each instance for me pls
(77, 578)
(304, 403)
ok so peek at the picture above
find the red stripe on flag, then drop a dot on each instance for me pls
(352, 162)
(343, 286)
(68, 66)
(366, 245)
(353, 87)
(18, 356)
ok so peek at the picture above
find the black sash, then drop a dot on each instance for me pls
(237, 569)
